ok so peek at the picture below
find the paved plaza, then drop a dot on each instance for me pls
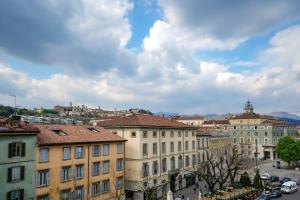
(264, 166)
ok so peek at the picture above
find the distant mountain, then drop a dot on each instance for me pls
(291, 121)
(285, 115)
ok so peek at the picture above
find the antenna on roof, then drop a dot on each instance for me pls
(15, 97)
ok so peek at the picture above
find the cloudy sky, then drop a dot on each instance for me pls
(192, 56)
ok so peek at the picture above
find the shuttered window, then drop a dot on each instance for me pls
(15, 174)
(15, 195)
(16, 149)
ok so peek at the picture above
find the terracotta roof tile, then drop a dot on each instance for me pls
(74, 134)
(143, 120)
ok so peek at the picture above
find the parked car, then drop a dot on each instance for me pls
(265, 176)
(264, 196)
(285, 179)
(289, 187)
(297, 181)
(273, 178)
(276, 192)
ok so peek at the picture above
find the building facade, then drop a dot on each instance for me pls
(161, 153)
(257, 135)
(17, 159)
(190, 120)
(79, 162)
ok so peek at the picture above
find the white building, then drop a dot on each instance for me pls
(160, 153)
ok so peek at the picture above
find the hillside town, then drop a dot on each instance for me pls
(133, 155)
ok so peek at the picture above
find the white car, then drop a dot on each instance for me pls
(289, 187)
(265, 176)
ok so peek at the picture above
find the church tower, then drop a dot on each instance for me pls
(248, 107)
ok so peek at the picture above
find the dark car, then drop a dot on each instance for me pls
(276, 192)
(285, 179)
(264, 196)
(273, 178)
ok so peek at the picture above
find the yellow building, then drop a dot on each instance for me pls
(80, 162)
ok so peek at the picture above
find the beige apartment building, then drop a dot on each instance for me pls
(160, 153)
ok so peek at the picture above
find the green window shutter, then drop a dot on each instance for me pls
(8, 195)
(10, 150)
(22, 172)
(23, 149)
(9, 171)
(21, 194)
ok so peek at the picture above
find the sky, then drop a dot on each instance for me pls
(188, 57)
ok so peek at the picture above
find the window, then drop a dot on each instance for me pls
(155, 168)
(16, 149)
(186, 145)
(79, 152)
(172, 134)
(163, 148)
(179, 146)
(43, 178)
(79, 193)
(66, 173)
(145, 169)
(106, 167)
(120, 148)
(133, 134)
(187, 161)
(44, 154)
(15, 174)
(66, 153)
(256, 133)
(96, 169)
(194, 160)
(65, 194)
(154, 148)
(79, 171)
(164, 165)
(145, 134)
(172, 147)
(96, 189)
(193, 144)
(15, 195)
(266, 133)
(179, 133)
(59, 132)
(120, 164)
(202, 142)
(234, 140)
(120, 182)
(163, 134)
(96, 150)
(186, 133)
(180, 164)
(173, 166)
(154, 134)
(93, 129)
(43, 197)
(106, 186)
(106, 149)
(266, 141)
(193, 133)
(145, 149)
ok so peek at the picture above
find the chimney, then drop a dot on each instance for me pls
(15, 121)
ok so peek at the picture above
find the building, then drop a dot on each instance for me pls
(256, 134)
(218, 124)
(79, 161)
(190, 120)
(17, 159)
(202, 145)
(161, 153)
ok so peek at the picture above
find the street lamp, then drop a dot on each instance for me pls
(15, 98)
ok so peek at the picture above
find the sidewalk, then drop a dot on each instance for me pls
(189, 192)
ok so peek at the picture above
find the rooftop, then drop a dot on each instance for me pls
(195, 117)
(143, 120)
(14, 126)
(72, 134)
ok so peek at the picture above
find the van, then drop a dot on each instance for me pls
(289, 187)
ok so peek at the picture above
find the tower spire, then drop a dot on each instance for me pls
(248, 107)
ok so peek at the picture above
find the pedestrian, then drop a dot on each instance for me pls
(194, 190)
(197, 185)
(182, 197)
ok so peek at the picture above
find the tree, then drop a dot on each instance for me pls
(245, 179)
(288, 150)
(257, 183)
(218, 170)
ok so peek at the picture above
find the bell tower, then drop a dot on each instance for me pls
(248, 107)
